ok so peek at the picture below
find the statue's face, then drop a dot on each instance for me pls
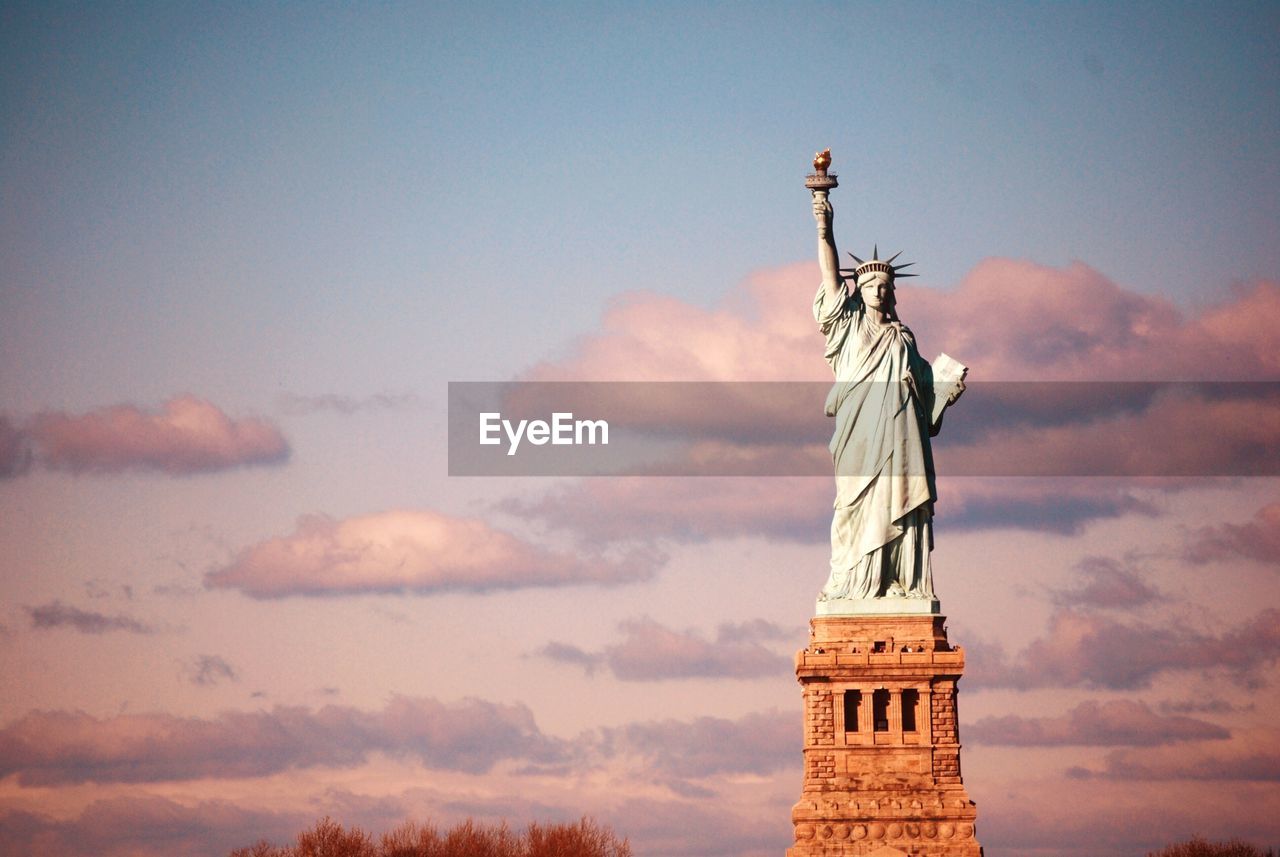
(877, 293)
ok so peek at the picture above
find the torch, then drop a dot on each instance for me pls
(820, 181)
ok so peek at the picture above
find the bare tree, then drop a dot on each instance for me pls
(327, 838)
(1200, 847)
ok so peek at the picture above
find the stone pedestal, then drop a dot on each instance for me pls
(881, 745)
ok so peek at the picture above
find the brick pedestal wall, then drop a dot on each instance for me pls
(881, 742)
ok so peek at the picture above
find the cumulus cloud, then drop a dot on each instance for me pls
(1040, 332)
(1084, 649)
(1120, 722)
(188, 435)
(55, 614)
(208, 670)
(764, 331)
(650, 651)
(410, 551)
(1257, 539)
(49, 748)
(1106, 583)
(759, 333)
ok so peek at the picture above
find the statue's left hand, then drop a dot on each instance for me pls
(956, 392)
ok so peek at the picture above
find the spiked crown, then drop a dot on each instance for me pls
(877, 265)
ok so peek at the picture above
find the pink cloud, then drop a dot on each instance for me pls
(764, 332)
(1257, 539)
(1008, 319)
(1021, 321)
(46, 748)
(1093, 650)
(650, 651)
(188, 435)
(1123, 722)
(409, 551)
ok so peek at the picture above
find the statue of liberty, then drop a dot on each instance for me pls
(886, 407)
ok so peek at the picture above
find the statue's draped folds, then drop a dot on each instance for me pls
(882, 529)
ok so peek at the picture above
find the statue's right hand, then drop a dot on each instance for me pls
(822, 212)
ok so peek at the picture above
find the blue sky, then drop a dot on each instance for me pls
(317, 171)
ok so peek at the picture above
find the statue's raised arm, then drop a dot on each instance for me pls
(828, 260)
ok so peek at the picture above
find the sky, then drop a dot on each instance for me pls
(245, 248)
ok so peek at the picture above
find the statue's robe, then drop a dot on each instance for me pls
(882, 530)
